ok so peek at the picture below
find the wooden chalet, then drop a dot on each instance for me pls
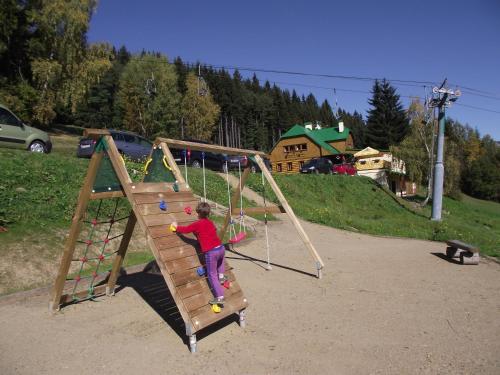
(304, 142)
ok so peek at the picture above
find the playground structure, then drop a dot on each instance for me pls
(161, 198)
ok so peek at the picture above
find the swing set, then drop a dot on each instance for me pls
(160, 199)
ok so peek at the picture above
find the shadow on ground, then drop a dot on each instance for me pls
(151, 286)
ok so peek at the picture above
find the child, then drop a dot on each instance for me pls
(211, 246)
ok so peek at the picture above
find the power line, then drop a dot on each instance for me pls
(396, 82)
(478, 108)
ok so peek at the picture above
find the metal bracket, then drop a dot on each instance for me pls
(243, 315)
(319, 268)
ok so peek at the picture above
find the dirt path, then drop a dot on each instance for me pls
(247, 192)
(384, 306)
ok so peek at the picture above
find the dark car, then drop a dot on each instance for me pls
(235, 162)
(344, 168)
(194, 158)
(129, 144)
(317, 165)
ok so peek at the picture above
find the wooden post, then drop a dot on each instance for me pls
(303, 235)
(171, 162)
(234, 201)
(120, 254)
(69, 247)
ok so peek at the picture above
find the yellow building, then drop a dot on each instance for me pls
(384, 168)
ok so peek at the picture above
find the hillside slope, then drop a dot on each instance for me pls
(358, 204)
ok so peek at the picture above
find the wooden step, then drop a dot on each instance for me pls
(155, 187)
(172, 207)
(168, 197)
(204, 316)
(166, 218)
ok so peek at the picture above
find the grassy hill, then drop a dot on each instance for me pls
(38, 195)
(358, 204)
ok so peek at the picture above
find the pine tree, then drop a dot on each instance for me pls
(326, 114)
(387, 123)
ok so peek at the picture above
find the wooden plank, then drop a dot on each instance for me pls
(204, 316)
(172, 241)
(89, 132)
(180, 278)
(154, 208)
(167, 218)
(303, 235)
(183, 277)
(260, 210)
(234, 201)
(207, 147)
(107, 195)
(164, 231)
(181, 264)
(69, 247)
(98, 291)
(167, 197)
(196, 301)
(193, 288)
(176, 252)
(120, 254)
(157, 187)
(172, 163)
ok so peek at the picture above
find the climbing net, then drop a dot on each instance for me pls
(93, 260)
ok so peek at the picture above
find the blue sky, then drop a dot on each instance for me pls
(418, 40)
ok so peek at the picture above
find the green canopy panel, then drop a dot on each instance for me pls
(157, 171)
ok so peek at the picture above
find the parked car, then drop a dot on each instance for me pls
(15, 134)
(129, 144)
(243, 161)
(194, 158)
(317, 165)
(344, 168)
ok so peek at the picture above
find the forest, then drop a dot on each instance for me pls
(50, 75)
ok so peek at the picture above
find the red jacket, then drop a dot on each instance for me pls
(205, 232)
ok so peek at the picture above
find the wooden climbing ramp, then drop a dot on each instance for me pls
(154, 203)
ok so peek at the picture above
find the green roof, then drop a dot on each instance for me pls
(319, 136)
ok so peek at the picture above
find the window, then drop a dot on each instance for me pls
(129, 138)
(295, 148)
(117, 137)
(7, 118)
(278, 167)
(362, 162)
(301, 163)
(289, 166)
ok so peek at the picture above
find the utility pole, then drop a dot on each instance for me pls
(443, 98)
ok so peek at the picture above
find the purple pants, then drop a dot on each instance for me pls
(214, 260)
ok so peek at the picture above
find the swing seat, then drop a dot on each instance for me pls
(239, 237)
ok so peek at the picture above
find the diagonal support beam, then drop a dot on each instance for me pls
(284, 203)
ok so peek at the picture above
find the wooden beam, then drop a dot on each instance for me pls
(69, 247)
(171, 162)
(234, 200)
(107, 195)
(95, 133)
(98, 290)
(208, 147)
(303, 235)
(120, 254)
(260, 210)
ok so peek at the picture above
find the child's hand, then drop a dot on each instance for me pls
(173, 226)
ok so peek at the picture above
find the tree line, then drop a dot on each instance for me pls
(50, 74)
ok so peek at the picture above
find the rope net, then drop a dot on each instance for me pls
(99, 240)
